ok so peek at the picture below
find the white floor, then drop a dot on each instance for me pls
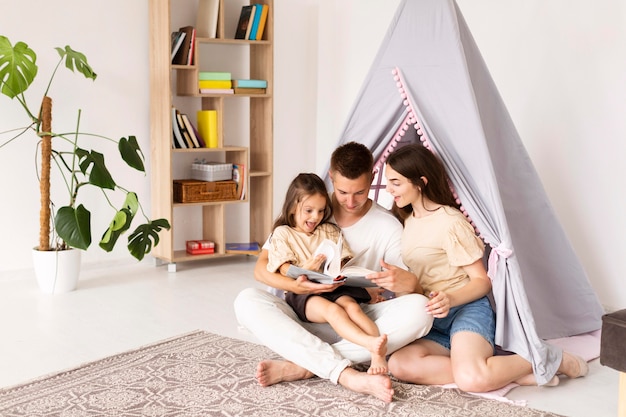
(129, 305)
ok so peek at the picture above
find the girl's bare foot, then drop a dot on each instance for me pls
(377, 385)
(378, 365)
(272, 372)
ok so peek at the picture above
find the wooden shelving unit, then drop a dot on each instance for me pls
(178, 85)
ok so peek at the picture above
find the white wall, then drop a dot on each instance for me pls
(560, 67)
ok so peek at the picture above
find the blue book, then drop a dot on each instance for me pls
(250, 83)
(250, 248)
(255, 21)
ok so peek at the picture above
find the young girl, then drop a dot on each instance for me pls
(303, 224)
(441, 248)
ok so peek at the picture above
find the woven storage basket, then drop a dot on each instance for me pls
(196, 191)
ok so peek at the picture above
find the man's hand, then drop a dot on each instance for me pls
(395, 279)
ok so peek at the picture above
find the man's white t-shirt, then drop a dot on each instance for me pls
(379, 233)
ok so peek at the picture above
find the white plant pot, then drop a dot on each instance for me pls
(57, 272)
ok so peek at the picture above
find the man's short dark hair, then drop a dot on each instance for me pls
(352, 160)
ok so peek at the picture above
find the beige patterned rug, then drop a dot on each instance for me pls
(203, 374)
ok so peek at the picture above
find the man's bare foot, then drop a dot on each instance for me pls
(573, 366)
(272, 372)
(377, 385)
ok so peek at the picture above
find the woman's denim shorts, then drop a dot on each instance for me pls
(477, 317)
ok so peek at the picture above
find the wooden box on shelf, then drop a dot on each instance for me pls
(197, 191)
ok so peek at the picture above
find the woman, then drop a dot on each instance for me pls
(441, 248)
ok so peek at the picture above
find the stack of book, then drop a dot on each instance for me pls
(252, 22)
(215, 82)
(250, 86)
(183, 46)
(184, 133)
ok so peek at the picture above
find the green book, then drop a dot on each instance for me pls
(219, 76)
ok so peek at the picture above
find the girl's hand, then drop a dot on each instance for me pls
(438, 305)
(314, 263)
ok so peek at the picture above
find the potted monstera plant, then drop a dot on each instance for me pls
(66, 224)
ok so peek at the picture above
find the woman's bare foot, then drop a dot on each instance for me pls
(378, 365)
(573, 366)
(531, 380)
(272, 372)
(377, 385)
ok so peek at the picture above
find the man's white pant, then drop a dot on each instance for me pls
(275, 324)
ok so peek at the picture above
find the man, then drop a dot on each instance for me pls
(314, 349)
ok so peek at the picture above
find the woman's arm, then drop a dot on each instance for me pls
(479, 285)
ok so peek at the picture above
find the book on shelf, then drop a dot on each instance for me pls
(250, 22)
(261, 28)
(214, 75)
(333, 272)
(206, 19)
(239, 176)
(183, 130)
(249, 90)
(244, 20)
(207, 126)
(192, 48)
(191, 131)
(244, 248)
(254, 21)
(216, 84)
(250, 83)
(177, 137)
(198, 135)
(182, 56)
(216, 91)
(177, 41)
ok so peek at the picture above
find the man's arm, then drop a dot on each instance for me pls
(276, 280)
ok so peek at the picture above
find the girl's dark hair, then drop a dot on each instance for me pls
(304, 185)
(414, 161)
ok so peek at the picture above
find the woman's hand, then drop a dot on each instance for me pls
(395, 279)
(438, 305)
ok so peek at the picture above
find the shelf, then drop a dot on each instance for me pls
(245, 130)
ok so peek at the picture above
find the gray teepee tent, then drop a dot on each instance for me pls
(428, 82)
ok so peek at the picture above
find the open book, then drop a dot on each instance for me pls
(352, 274)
